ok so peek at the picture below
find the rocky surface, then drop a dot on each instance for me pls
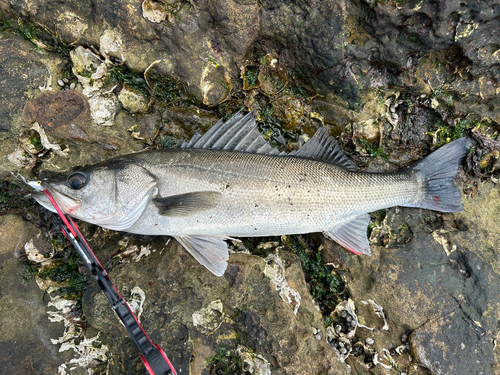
(81, 82)
(25, 330)
(440, 286)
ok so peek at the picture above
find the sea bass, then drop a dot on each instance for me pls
(231, 183)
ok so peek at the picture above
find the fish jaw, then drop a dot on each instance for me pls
(68, 205)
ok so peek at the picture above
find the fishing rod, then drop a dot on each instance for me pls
(154, 358)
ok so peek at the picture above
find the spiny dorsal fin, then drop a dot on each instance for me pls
(240, 133)
(325, 148)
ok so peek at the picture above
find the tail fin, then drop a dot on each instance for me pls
(435, 174)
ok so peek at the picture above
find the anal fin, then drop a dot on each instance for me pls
(210, 251)
(352, 235)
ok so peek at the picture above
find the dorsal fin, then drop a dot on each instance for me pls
(325, 148)
(240, 133)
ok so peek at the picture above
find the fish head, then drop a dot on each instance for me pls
(113, 195)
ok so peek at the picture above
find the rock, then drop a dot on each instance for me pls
(336, 47)
(66, 135)
(448, 300)
(110, 42)
(215, 85)
(25, 330)
(71, 27)
(183, 123)
(23, 72)
(192, 313)
(103, 108)
(62, 112)
(471, 344)
(89, 69)
(14, 233)
(133, 100)
(481, 225)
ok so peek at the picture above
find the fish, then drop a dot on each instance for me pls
(231, 183)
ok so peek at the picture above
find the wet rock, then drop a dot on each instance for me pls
(62, 112)
(477, 238)
(368, 130)
(103, 108)
(133, 100)
(14, 233)
(89, 69)
(215, 85)
(183, 123)
(44, 121)
(208, 319)
(71, 27)
(25, 330)
(392, 232)
(472, 344)
(339, 48)
(447, 295)
(192, 313)
(111, 42)
(23, 73)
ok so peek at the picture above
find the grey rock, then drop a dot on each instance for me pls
(448, 301)
(25, 330)
(453, 344)
(253, 313)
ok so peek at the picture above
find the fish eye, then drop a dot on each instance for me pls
(77, 180)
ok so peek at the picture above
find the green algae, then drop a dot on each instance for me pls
(13, 199)
(225, 362)
(325, 284)
(121, 74)
(67, 272)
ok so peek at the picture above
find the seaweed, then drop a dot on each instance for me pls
(273, 130)
(170, 90)
(325, 284)
(251, 76)
(67, 272)
(224, 362)
(120, 73)
(36, 142)
(446, 133)
(167, 141)
(373, 151)
(13, 199)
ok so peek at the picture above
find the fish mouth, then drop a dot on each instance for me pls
(43, 200)
(67, 204)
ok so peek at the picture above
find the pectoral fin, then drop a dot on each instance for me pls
(352, 235)
(187, 204)
(210, 251)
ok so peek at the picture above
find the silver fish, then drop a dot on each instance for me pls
(231, 183)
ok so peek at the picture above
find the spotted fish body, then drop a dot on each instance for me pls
(230, 183)
(263, 195)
